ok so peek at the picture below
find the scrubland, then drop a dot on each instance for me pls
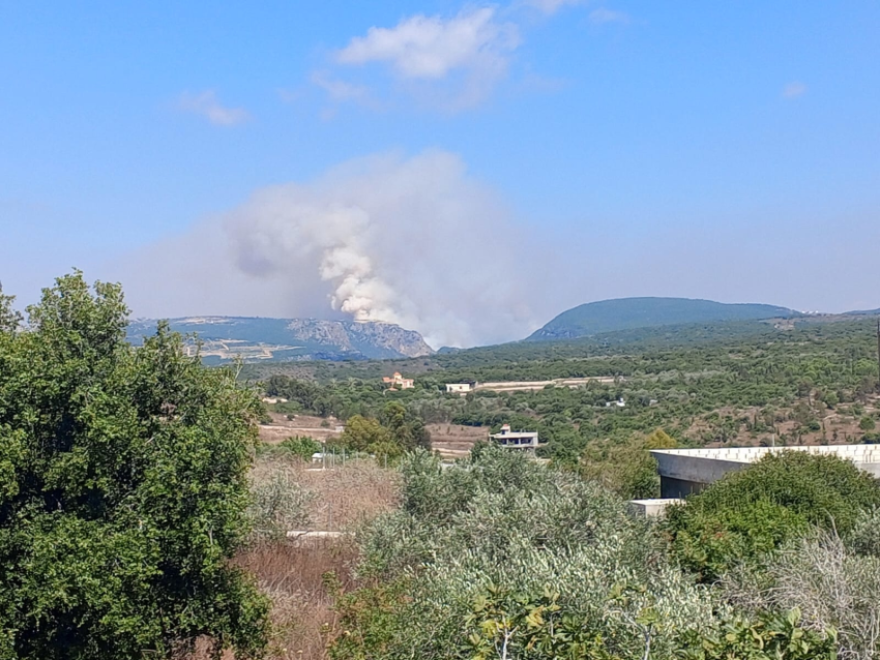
(502, 557)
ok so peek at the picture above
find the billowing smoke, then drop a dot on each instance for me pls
(413, 241)
(407, 241)
(280, 228)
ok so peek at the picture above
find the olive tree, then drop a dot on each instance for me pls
(122, 487)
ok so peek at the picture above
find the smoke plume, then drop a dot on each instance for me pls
(412, 241)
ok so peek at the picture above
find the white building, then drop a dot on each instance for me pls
(519, 440)
(460, 388)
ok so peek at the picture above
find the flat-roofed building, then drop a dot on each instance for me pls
(686, 471)
(518, 440)
(460, 388)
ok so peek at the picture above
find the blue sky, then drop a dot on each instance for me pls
(575, 150)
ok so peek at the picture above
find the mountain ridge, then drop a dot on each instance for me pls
(224, 338)
(618, 314)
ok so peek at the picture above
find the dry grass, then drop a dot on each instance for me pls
(291, 574)
(302, 608)
(344, 497)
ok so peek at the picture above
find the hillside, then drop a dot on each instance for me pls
(225, 338)
(632, 313)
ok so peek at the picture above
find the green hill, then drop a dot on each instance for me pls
(631, 313)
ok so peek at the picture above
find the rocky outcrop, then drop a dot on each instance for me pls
(371, 339)
(223, 338)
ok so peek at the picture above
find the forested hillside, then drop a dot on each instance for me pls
(631, 313)
(746, 384)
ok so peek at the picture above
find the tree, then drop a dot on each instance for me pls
(362, 433)
(407, 429)
(122, 488)
(9, 318)
(626, 467)
(750, 513)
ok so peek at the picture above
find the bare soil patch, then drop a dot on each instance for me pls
(281, 428)
(454, 440)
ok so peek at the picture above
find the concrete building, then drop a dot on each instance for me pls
(686, 471)
(398, 381)
(651, 508)
(518, 440)
(460, 388)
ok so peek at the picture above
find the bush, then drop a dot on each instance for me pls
(278, 502)
(122, 488)
(501, 538)
(626, 467)
(864, 539)
(833, 587)
(768, 637)
(750, 513)
(301, 446)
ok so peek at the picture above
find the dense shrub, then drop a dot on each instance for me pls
(122, 488)
(278, 501)
(501, 536)
(751, 512)
(833, 586)
(626, 466)
(776, 636)
(500, 557)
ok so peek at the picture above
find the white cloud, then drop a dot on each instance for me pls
(430, 47)
(206, 104)
(552, 6)
(340, 91)
(445, 64)
(793, 90)
(602, 15)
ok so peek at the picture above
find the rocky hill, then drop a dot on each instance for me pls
(224, 338)
(631, 313)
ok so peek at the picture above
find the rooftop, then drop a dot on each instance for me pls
(855, 453)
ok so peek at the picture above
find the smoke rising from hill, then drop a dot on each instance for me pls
(412, 241)
(406, 241)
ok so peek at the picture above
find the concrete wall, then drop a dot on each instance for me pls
(651, 508)
(679, 488)
(686, 471)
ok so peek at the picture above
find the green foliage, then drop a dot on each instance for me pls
(407, 430)
(498, 542)
(632, 313)
(751, 512)
(396, 432)
(299, 393)
(836, 587)
(368, 619)
(503, 625)
(9, 318)
(363, 434)
(278, 502)
(864, 539)
(122, 489)
(627, 466)
(770, 637)
(301, 446)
